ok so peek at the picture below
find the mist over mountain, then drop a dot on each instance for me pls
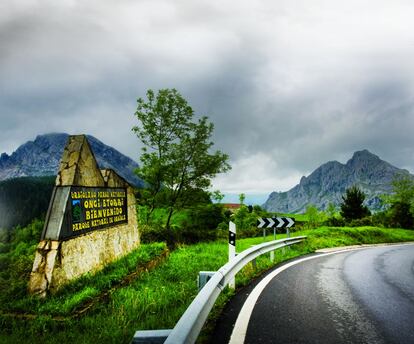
(41, 157)
(328, 183)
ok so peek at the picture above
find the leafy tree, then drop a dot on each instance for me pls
(401, 202)
(313, 216)
(403, 188)
(242, 198)
(246, 222)
(331, 210)
(240, 217)
(352, 206)
(217, 196)
(176, 155)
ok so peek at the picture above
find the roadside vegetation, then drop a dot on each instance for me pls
(110, 305)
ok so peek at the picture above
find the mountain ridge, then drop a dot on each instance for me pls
(41, 157)
(328, 183)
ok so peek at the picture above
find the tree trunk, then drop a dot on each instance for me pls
(167, 225)
(150, 213)
(169, 233)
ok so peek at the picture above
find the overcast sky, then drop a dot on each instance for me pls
(288, 84)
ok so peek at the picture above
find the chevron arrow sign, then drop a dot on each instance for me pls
(278, 222)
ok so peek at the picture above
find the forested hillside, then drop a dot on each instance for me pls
(23, 199)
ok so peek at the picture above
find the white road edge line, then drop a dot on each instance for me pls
(240, 327)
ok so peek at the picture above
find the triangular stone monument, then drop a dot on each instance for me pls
(90, 222)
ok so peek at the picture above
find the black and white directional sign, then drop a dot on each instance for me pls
(275, 222)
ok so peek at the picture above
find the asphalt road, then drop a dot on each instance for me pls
(361, 296)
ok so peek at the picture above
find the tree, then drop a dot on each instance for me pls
(402, 201)
(176, 154)
(217, 196)
(401, 215)
(312, 214)
(331, 210)
(403, 189)
(242, 198)
(352, 206)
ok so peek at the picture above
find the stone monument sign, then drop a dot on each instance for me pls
(90, 222)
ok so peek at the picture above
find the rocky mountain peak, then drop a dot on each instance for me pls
(364, 154)
(41, 157)
(328, 183)
(364, 158)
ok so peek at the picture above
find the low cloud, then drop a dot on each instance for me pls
(288, 86)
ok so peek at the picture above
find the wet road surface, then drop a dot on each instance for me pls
(361, 296)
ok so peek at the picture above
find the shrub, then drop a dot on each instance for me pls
(152, 233)
(365, 221)
(335, 222)
(381, 219)
(206, 216)
(200, 223)
(401, 216)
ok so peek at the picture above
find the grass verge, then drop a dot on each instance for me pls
(157, 299)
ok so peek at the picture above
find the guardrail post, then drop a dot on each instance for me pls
(272, 253)
(232, 249)
(287, 236)
(203, 278)
(254, 264)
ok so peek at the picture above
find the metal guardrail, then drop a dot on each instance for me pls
(191, 322)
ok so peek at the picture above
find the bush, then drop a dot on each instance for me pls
(153, 233)
(200, 223)
(365, 221)
(401, 216)
(251, 232)
(335, 222)
(315, 217)
(397, 216)
(381, 219)
(205, 216)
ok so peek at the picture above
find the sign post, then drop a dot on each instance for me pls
(275, 222)
(232, 248)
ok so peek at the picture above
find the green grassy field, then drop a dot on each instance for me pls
(110, 306)
(297, 217)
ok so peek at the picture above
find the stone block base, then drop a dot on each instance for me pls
(58, 262)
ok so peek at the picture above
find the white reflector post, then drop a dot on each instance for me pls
(232, 249)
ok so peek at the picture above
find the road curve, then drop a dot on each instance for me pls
(360, 296)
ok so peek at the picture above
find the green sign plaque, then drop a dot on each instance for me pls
(92, 208)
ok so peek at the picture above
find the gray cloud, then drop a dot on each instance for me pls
(288, 85)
